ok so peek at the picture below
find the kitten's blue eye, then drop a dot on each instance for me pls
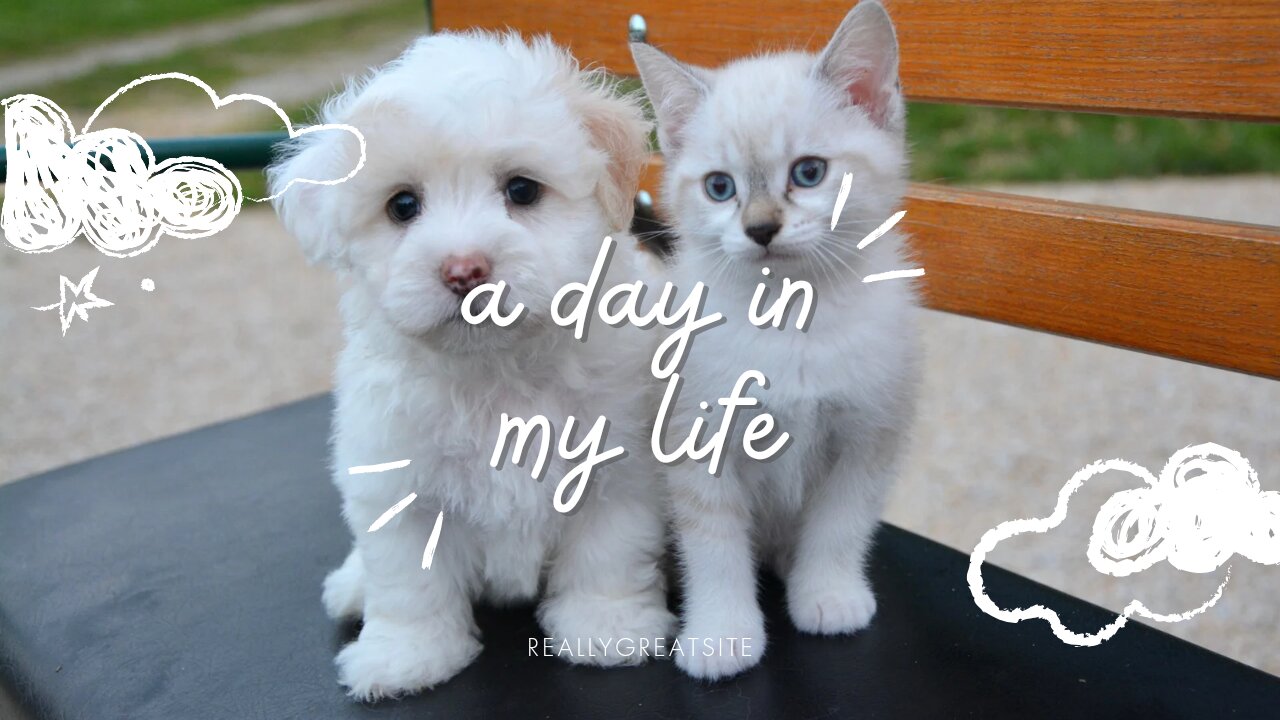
(523, 191)
(719, 186)
(403, 207)
(808, 172)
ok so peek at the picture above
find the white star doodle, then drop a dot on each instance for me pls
(82, 299)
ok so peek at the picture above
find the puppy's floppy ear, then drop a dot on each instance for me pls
(674, 89)
(617, 127)
(862, 62)
(306, 209)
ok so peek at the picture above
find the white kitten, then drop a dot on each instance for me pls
(755, 154)
(489, 160)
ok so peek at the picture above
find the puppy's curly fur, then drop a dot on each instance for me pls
(450, 122)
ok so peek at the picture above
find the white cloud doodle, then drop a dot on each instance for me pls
(107, 185)
(1205, 507)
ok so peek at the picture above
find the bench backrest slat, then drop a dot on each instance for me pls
(1187, 288)
(1198, 290)
(1187, 58)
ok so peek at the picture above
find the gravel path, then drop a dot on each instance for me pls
(291, 83)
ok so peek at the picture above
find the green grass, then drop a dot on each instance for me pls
(955, 143)
(31, 28)
(222, 64)
(253, 183)
(968, 144)
(950, 143)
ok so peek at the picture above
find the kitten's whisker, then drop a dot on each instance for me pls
(838, 243)
(841, 260)
(651, 234)
(838, 248)
(835, 256)
(707, 254)
(701, 251)
(828, 260)
(718, 270)
(809, 266)
(832, 272)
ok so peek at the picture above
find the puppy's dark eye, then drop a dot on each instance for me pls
(808, 172)
(719, 186)
(403, 207)
(523, 191)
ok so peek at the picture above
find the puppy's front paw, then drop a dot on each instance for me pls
(831, 606)
(344, 589)
(389, 660)
(607, 631)
(715, 646)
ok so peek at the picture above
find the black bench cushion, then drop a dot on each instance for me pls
(181, 580)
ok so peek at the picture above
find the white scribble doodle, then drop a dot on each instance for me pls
(1205, 507)
(82, 299)
(429, 552)
(107, 185)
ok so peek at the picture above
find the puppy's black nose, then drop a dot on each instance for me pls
(763, 232)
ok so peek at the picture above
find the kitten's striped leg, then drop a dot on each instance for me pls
(827, 588)
(723, 628)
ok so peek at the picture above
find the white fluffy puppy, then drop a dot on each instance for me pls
(489, 159)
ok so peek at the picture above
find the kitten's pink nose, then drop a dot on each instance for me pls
(464, 273)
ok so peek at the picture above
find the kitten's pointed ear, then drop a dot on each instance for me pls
(862, 61)
(674, 89)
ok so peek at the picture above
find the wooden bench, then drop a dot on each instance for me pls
(1198, 290)
(180, 579)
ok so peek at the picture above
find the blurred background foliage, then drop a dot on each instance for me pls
(950, 143)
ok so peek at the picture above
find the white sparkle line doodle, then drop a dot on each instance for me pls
(885, 227)
(380, 467)
(430, 552)
(392, 511)
(893, 275)
(846, 183)
(82, 290)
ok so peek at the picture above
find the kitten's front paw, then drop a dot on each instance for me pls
(828, 607)
(389, 660)
(606, 631)
(717, 647)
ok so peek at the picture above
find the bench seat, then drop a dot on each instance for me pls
(180, 580)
